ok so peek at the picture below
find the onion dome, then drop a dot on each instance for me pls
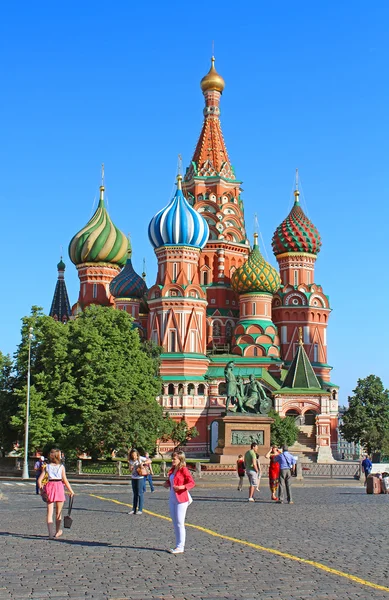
(61, 265)
(255, 275)
(99, 241)
(128, 284)
(212, 80)
(178, 224)
(296, 233)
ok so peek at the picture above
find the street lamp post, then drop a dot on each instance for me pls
(25, 474)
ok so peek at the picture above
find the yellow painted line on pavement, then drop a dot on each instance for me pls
(305, 561)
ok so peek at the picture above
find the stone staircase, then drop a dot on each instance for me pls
(305, 447)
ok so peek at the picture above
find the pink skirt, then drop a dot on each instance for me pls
(55, 491)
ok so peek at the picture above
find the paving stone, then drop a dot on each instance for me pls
(110, 555)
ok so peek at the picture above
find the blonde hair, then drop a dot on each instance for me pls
(181, 458)
(57, 456)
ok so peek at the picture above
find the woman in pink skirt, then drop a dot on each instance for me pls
(54, 490)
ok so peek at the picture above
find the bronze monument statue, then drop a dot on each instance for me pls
(245, 398)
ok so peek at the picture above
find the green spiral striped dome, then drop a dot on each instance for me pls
(99, 241)
(255, 275)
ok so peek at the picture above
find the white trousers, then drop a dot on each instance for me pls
(178, 514)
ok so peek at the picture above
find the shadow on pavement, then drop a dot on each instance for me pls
(79, 542)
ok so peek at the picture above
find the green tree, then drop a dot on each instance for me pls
(8, 404)
(182, 433)
(283, 430)
(367, 418)
(93, 384)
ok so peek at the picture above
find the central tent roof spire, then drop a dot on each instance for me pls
(210, 158)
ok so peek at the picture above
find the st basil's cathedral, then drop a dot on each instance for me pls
(216, 298)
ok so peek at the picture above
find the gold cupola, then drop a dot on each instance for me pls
(212, 80)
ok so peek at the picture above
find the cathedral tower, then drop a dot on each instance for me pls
(255, 334)
(300, 302)
(211, 187)
(60, 306)
(177, 302)
(99, 251)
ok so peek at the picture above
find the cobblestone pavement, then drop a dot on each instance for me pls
(110, 555)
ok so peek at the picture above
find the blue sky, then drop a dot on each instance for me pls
(306, 86)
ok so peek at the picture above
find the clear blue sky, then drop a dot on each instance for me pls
(306, 86)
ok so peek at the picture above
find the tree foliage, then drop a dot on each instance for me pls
(283, 430)
(93, 384)
(182, 433)
(367, 418)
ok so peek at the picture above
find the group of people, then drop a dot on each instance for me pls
(51, 481)
(281, 467)
(179, 481)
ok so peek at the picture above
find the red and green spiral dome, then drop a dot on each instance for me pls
(296, 233)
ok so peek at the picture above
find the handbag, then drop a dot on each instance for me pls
(67, 520)
(43, 489)
(142, 471)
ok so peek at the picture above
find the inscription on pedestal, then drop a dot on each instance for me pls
(243, 437)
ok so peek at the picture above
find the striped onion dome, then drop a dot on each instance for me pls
(128, 284)
(178, 224)
(255, 275)
(296, 233)
(99, 241)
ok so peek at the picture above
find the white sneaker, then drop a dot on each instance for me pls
(251, 500)
(139, 512)
(176, 551)
(131, 512)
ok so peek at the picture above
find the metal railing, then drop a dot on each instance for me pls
(331, 470)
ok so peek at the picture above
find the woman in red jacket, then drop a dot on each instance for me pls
(179, 481)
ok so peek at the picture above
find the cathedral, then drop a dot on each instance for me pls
(216, 299)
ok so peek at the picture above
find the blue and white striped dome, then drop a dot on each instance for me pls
(178, 224)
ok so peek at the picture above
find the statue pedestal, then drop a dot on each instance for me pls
(236, 432)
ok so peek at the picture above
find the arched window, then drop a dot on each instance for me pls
(228, 331)
(334, 394)
(201, 389)
(205, 277)
(255, 351)
(180, 390)
(191, 389)
(170, 389)
(222, 389)
(216, 329)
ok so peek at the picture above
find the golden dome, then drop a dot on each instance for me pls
(212, 80)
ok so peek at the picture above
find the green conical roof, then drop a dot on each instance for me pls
(301, 374)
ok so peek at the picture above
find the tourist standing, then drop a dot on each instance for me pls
(250, 461)
(138, 471)
(286, 461)
(38, 468)
(240, 469)
(180, 481)
(274, 471)
(367, 466)
(149, 476)
(54, 491)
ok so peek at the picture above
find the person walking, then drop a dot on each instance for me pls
(259, 470)
(149, 476)
(38, 468)
(138, 470)
(54, 491)
(250, 462)
(367, 466)
(180, 481)
(274, 471)
(286, 461)
(240, 469)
